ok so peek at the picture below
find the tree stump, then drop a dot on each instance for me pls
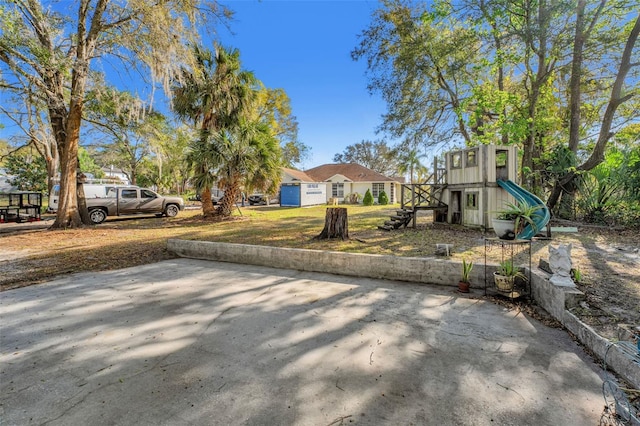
(335, 224)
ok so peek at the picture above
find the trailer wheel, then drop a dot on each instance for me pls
(171, 210)
(97, 216)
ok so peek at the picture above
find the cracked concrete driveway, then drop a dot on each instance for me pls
(190, 342)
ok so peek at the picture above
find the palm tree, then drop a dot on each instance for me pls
(247, 155)
(215, 94)
(410, 161)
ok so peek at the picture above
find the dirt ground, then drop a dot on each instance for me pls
(608, 259)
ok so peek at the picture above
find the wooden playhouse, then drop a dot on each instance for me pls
(473, 184)
(472, 192)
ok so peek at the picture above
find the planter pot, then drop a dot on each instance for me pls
(503, 282)
(504, 229)
(463, 287)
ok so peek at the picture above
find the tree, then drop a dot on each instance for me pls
(274, 109)
(52, 49)
(383, 198)
(5, 149)
(87, 165)
(537, 74)
(246, 155)
(375, 155)
(410, 161)
(368, 198)
(28, 112)
(29, 171)
(624, 88)
(169, 152)
(130, 127)
(216, 95)
(420, 62)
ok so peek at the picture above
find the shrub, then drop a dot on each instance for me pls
(368, 199)
(383, 200)
(352, 198)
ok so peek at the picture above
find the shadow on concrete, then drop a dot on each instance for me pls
(197, 342)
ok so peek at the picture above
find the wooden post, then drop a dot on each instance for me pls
(335, 224)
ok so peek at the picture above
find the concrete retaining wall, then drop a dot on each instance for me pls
(412, 269)
(555, 300)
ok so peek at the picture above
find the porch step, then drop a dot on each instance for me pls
(403, 218)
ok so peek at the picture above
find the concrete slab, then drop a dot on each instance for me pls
(192, 342)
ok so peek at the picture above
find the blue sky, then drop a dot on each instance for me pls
(304, 48)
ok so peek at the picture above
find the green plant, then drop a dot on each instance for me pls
(368, 199)
(576, 274)
(521, 212)
(466, 271)
(352, 198)
(29, 172)
(508, 269)
(383, 200)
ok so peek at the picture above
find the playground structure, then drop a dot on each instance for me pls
(474, 184)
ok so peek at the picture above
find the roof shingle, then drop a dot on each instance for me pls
(352, 171)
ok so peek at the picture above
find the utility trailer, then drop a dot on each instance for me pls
(20, 206)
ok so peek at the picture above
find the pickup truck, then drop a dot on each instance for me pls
(132, 200)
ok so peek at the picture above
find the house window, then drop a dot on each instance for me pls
(456, 160)
(337, 190)
(472, 201)
(392, 194)
(472, 158)
(376, 189)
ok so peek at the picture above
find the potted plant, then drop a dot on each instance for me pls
(506, 274)
(511, 220)
(463, 284)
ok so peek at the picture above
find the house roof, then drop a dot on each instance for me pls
(352, 171)
(298, 175)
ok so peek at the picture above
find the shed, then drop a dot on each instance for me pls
(298, 190)
(302, 194)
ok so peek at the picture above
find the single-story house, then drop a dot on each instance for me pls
(337, 181)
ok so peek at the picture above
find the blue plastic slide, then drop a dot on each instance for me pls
(540, 217)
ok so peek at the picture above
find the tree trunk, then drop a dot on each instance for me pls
(68, 212)
(335, 224)
(228, 200)
(207, 205)
(72, 210)
(576, 74)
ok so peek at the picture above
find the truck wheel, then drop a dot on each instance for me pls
(97, 216)
(171, 210)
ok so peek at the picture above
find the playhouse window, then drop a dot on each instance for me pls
(501, 158)
(337, 190)
(472, 200)
(456, 160)
(376, 189)
(472, 158)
